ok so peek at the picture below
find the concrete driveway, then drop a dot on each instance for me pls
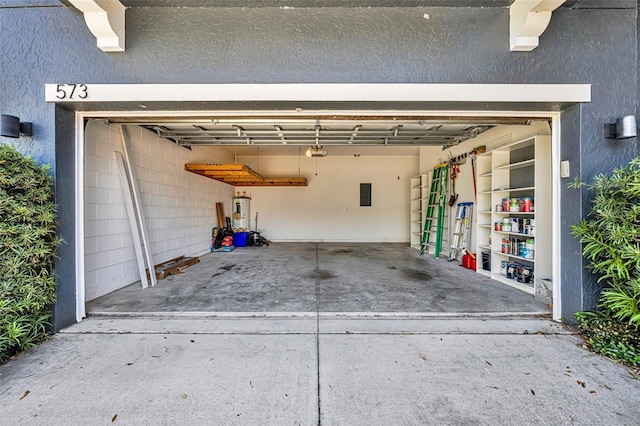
(318, 369)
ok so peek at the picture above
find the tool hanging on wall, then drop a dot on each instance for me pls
(473, 156)
(455, 171)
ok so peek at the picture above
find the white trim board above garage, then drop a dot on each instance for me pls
(482, 96)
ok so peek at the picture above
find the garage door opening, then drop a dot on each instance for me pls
(156, 102)
(328, 253)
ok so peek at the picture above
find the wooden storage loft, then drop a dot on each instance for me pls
(241, 175)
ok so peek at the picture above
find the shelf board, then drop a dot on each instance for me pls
(485, 225)
(510, 213)
(486, 247)
(499, 190)
(483, 272)
(486, 212)
(515, 233)
(513, 146)
(519, 165)
(512, 256)
(513, 283)
(488, 174)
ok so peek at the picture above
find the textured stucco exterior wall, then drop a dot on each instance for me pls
(383, 45)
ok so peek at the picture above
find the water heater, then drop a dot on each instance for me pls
(241, 213)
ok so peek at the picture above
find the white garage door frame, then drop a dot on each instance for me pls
(137, 94)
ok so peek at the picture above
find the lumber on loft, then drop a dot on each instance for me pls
(241, 175)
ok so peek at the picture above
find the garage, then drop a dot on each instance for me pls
(388, 138)
(346, 242)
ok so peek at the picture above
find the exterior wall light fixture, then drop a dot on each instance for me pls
(11, 127)
(623, 128)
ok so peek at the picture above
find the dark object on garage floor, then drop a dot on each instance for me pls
(256, 240)
(174, 266)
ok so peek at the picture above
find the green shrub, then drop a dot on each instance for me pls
(611, 338)
(611, 240)
(611, 243)
(28, 245)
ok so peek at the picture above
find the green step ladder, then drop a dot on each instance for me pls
(436, 209)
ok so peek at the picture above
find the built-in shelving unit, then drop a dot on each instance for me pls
(521, 251)
(419, 199)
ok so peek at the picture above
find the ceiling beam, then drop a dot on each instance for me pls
(105, 19)
(528, 19)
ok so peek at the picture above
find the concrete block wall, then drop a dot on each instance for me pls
(179, 206)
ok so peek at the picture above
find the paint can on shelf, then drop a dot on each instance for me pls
(524, 274)
(506, 205)
(525, 204)
(529, 244)
(515, 224)
(512, 270)
(503, 267)
(506, 246)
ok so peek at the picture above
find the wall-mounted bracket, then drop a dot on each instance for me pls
(105, 19)
(527, 21)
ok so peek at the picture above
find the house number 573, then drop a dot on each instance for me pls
(72, 91)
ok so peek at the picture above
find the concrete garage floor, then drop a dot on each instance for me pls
(321, 277)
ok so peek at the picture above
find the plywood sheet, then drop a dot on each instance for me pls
(241, 175)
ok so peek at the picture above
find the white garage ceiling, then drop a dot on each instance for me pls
(342, 135)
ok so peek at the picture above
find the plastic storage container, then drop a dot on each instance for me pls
(486, 260)
(240, 239)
